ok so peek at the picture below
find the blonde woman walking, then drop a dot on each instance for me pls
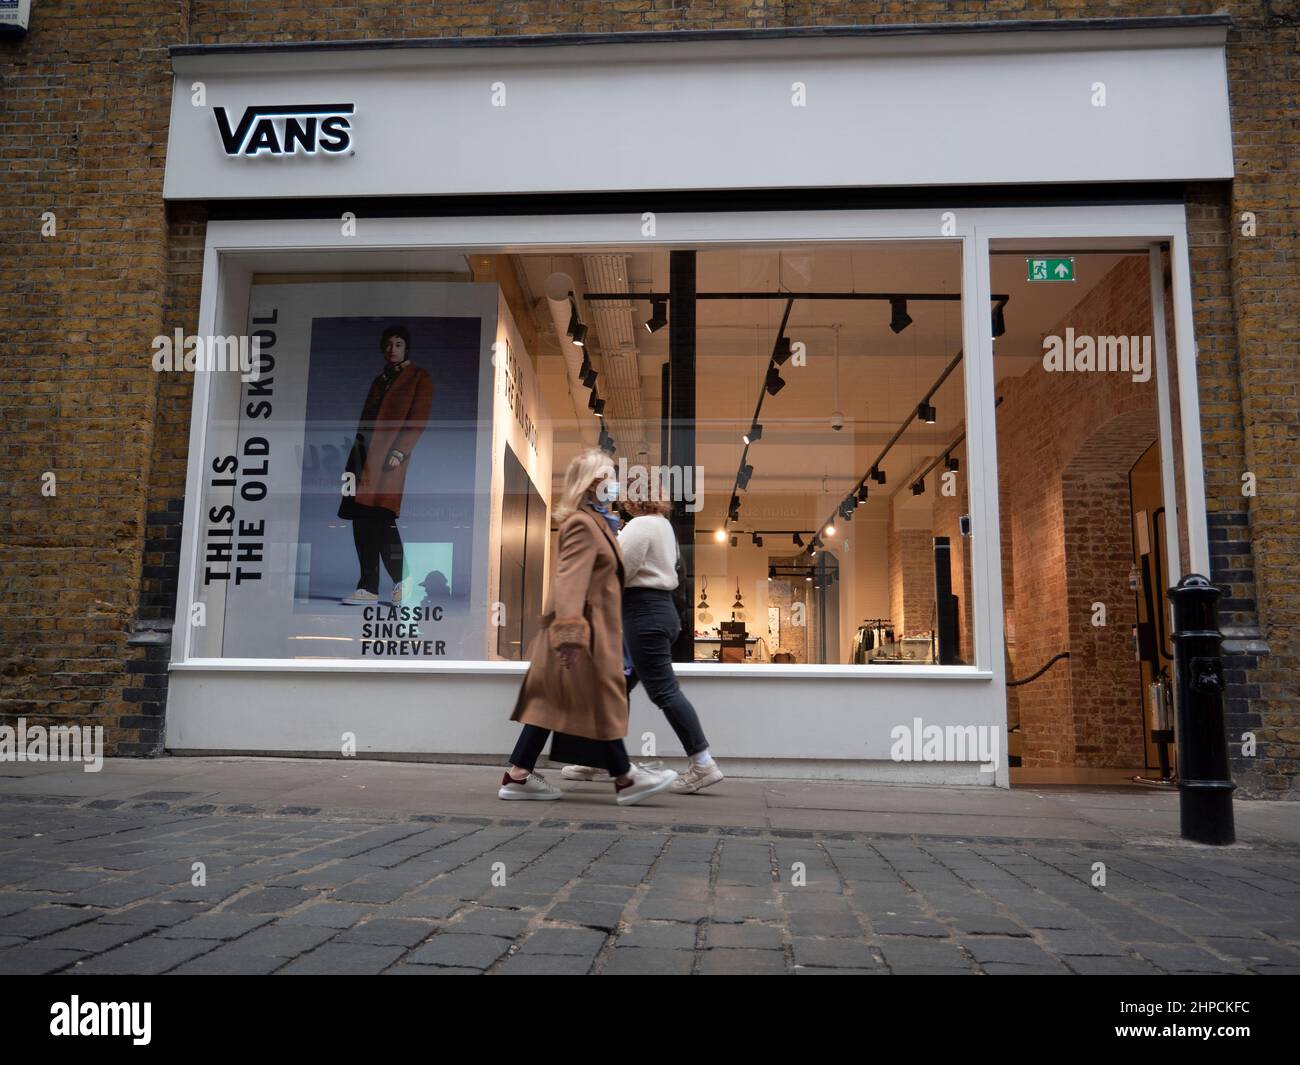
(576, 686)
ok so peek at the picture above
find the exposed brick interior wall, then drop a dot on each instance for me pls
(1095, 503)
(911, 580)
(83, 117)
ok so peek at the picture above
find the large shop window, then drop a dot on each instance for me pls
(380, 490)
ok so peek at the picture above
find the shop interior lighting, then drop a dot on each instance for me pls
(899, 319)
(774, 383)
(658, 315)
(926, 413)
(781, 353)
(918, 486)
(755, 433)
(577, 331)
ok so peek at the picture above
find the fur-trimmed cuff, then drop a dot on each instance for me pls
(570, 632)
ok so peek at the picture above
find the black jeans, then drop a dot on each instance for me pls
(532, 740)
(650, 625)
(376, 537)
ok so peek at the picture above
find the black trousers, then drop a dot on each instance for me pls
(374, 532)
(532, 740)
(651, 625)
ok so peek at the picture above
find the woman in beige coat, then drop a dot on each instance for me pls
(575, 685)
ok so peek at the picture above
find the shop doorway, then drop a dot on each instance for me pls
(1082, 517)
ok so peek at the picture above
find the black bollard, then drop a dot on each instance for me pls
(1205, 785)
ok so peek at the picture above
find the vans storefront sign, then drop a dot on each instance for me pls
(435, 126)
(286, 129)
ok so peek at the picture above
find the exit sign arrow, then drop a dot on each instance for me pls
(1049, 269)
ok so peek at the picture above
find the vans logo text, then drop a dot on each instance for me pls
(287, 129)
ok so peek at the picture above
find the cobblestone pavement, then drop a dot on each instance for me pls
(104, 886)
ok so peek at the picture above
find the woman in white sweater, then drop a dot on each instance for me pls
(651, 624)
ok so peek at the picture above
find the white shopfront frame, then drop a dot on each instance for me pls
(757, 715)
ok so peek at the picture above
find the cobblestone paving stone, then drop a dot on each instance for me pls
(86, 888)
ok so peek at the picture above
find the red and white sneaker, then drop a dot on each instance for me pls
(533, 787)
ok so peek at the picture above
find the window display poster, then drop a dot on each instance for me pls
(370, 425)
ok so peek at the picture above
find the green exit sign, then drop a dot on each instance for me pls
(1050, 269)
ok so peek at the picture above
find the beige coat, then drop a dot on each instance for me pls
(588, 699)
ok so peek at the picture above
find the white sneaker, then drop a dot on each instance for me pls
(533, 786)
(697, 778)
(644, 783)
(396, 596)
(583, 772)
(361, 597)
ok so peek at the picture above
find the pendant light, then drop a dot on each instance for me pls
(837, 415)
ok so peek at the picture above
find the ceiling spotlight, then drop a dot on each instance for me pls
(733, 511)
(589, 376)
(847, 508)
(925, 412)
(918, 487)
(733, 541)
(755, 433)
(862, 493)
(598, 408)
(586, 367)
(899, 318)
(877, 475)
(999, 323)
(758, 540)
(746, 472)
(771, 572)
(782, 351)
(830, 529)
(577, 331)
(774, 384)
(951, 463)
(798, 540)
(720, 536)
(658, 316)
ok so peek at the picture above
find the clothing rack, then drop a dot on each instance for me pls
(871, 634)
